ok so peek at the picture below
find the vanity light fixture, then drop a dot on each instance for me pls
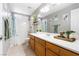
(45, 9)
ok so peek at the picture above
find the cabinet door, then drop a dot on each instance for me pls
(39, 49)
(52, 47)
(40, 41)
(50, 53)
(32, 44)
(64, 52)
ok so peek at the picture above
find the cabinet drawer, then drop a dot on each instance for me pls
(50, 53)
(40, 41)
(64, 52)
(52, 47)
(39, 49)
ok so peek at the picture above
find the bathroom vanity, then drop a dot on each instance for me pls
(44, 44)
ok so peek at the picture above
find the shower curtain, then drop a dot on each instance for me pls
(6, 29)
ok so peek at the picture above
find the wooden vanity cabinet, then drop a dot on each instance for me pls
(45, 48)
(53, 48)
(64, 52)
(50, 53)
(39, 47)
(59, 51)
(32, 42)
(40, 41)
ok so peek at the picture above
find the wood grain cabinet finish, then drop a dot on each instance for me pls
(64, 52)
(50, 53)
(59, 50)
(40, 41)
(39, 49)
(52, 47)
(45, 48)
(32, 42)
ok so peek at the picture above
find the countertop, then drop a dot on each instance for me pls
(73, 46)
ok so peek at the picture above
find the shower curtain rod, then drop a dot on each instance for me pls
(20, 14)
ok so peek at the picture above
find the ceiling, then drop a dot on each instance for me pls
(29, 8)
(54, 8)
(24, 8)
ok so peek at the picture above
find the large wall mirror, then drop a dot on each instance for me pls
(59, 23)
(64, 22)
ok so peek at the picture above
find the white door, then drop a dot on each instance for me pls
(22, 28)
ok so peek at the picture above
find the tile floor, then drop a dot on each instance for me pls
(20, 50)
